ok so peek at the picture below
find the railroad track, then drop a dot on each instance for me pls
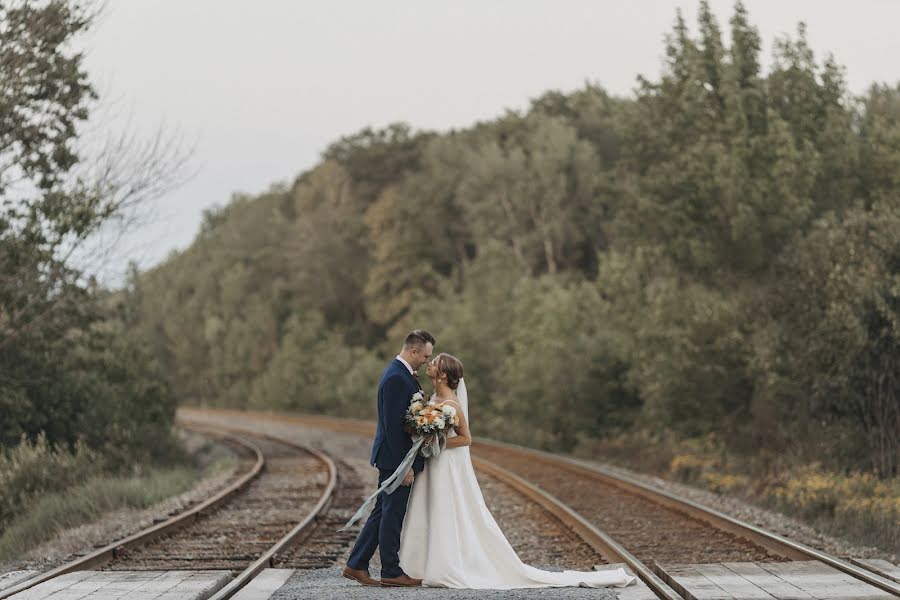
(324, 545)
(244, 529)
(624, 520)
(272, 505)
(613, 518)
(650, 531)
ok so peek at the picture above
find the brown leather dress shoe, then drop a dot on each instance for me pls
(360, 576)
(402, 581)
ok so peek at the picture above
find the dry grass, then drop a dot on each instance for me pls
(45, 489)
(54, 512)
(856, 505)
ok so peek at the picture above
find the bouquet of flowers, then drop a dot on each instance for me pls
(430, 423)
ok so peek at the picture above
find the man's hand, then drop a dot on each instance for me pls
(409, 478)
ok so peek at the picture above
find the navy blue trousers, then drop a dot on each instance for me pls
(382, 530)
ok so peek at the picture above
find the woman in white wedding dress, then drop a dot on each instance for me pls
(449, 538)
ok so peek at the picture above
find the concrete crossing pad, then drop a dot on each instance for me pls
(795, 580)
(264, 585)
(133, 585)
(7, 580)
(882, 567)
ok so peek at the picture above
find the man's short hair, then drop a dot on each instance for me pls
(417, 338)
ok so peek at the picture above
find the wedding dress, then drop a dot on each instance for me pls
(450, 539)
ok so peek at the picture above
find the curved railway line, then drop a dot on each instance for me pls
(646, 526)
(286, 506)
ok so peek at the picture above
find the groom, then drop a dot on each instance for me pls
(382, 529)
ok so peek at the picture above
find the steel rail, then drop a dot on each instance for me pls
(599, 540)
(294, 535)
(109, 552)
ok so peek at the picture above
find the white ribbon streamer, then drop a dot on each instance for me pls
(390, 484)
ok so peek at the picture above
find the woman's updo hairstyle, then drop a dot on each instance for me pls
(451, 366)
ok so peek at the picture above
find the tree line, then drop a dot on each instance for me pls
(716, 256)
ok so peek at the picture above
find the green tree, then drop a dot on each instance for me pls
(65, 372)
(419, 235)
(316, 370)
(564, 375)
(835, 353)
(539, 194)
(879, 133)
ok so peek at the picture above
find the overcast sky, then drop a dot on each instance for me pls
(260, 88)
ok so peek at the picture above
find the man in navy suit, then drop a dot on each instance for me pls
(382, 528)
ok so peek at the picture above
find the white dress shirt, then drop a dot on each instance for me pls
(406, 364)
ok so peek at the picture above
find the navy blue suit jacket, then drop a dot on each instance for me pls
(392, 443)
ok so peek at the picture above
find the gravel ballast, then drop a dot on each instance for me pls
(328, 583)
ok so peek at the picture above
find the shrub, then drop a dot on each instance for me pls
(31, 469)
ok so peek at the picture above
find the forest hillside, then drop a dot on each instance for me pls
(714, 261)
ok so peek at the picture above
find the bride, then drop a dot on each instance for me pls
(449, 538)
